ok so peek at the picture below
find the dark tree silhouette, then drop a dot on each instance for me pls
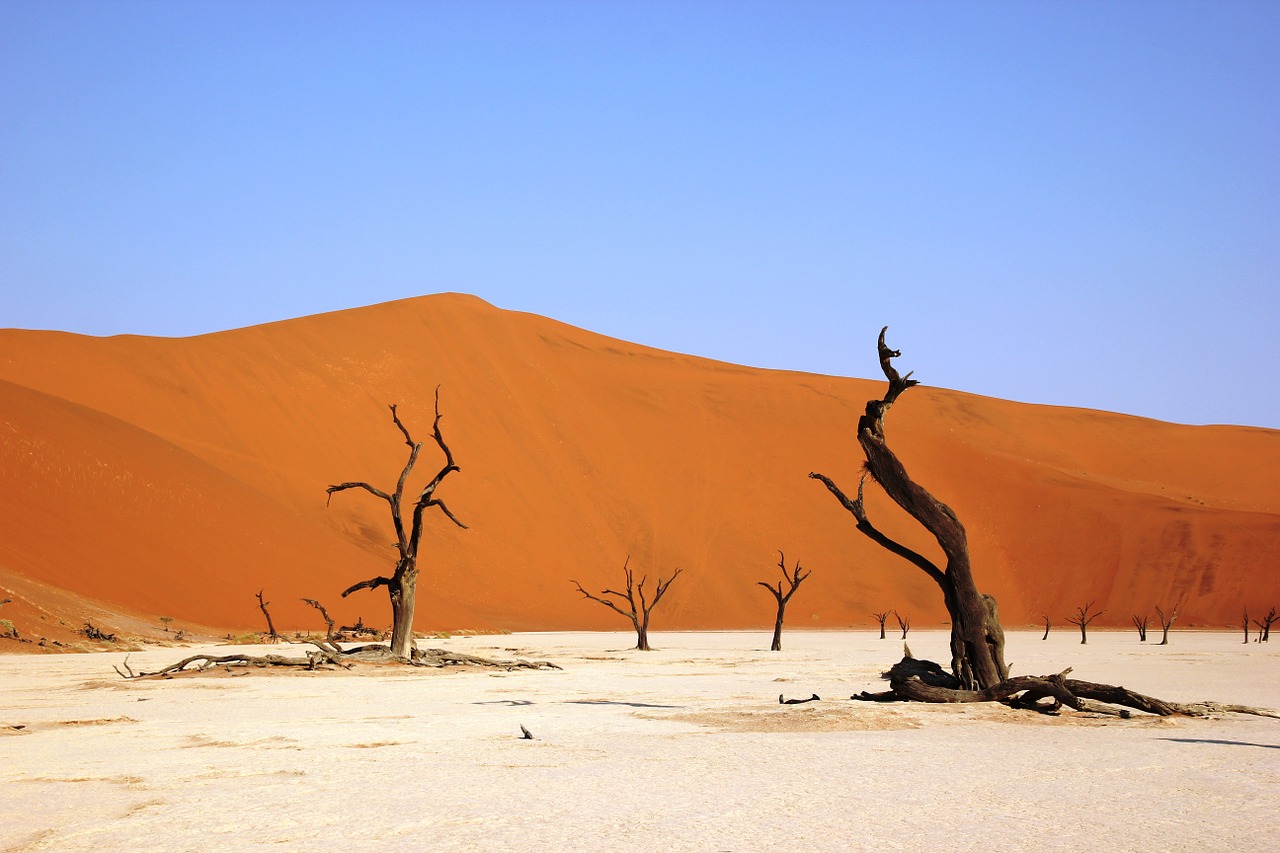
(638, 607)
(1047, 625)
(1166, 622)
(904, 622)
(977, 638)
(1082, 618)
(402, 584)
(881, 617)
(793, 583)
(1141, 622)
(1264, 626)
(271, 628)
(1246, 626)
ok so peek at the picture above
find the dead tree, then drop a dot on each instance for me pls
(271, 628)
(328, 621)
(1264, 626)
(904, 622)
(977, 638)
(1046, 627)
(881, 617)
(638, 607)
(978, 671)
(793, 583)
(1140, 622)
(1166, 623)
(403, 582)
(1082, 618)
(1246, 626)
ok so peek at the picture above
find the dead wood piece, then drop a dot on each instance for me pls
(814, 698)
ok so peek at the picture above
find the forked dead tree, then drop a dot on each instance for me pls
(403, 583)
(1166, 622)
(1264, 626)
(271, 627)
(881, 618)
(638, 607)
(1047, 625)
(1082, 618)
(978, 671)
(904, 622)
(793, 583)
(1140, 622)
(328, 621)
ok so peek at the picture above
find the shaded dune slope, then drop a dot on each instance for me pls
(178, 477)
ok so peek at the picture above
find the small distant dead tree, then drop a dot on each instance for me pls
(403, 583)
(1082, 618)
(793, 583)
(271, 628)
(166, 620)
(1264, 626)
(328, 621)
(638, 607)
(94, 633)
(1046, 627)
(1141, 622)
(1245, 625)
(1166, 622)
(904, 622)
(881, 617)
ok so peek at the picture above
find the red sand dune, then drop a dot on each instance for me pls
(149, 477)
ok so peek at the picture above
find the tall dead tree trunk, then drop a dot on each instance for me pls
(271, 628)
(793, 583)
(1246, 626)
(977, 638)
(881, 617)
(1264, 626)
(638, 607)
(1082, 618)
(1166, 623)
(1140, 622)
(1047, 625)
(403, 582)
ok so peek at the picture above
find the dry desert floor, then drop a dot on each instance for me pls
(681, 748)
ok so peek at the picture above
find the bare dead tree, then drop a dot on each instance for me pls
(1082, 618)
(1264, 626)
(904, 622)
(328, 634)
(1167, 622)
(1141, 622)
(271, 628)
(793, 583)
(978, 671)
(977, 637)
(1046, 627)
(403, 583)
(638, 608)
(881, 617)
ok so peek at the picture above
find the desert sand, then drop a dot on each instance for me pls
(149, 477)
(681, 748)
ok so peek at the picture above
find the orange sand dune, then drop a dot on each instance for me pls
(177, 477)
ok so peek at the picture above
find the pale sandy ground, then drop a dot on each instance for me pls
(683, 748)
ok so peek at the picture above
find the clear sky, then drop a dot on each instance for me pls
(1071, 203)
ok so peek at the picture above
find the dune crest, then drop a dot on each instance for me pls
(177, 477)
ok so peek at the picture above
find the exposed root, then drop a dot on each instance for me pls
(914, 680)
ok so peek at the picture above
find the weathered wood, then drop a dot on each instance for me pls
(271, 628)
(1166, 622)
(1082, 618)
(977, 638)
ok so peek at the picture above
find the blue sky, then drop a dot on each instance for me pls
(1070, 203)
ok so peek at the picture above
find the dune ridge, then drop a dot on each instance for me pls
(177, 477)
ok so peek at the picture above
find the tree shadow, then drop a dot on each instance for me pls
(1221, 742)
(512, 702)
(615, 702)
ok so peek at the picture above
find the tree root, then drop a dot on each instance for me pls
(912, 680)
(329, 654)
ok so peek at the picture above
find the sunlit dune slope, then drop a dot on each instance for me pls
(178, 477)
